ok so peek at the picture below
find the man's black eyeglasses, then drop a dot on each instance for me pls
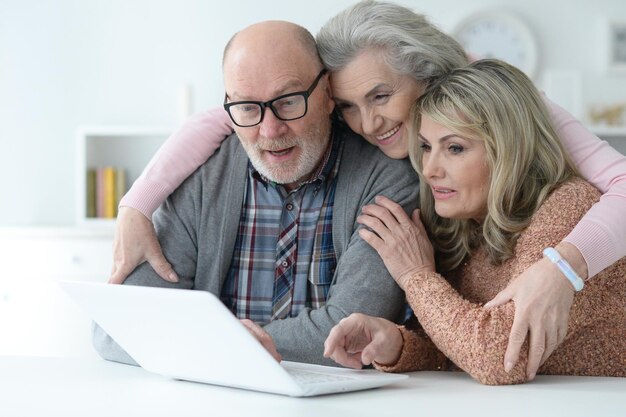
(287, 107)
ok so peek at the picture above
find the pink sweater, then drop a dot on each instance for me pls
(456, 326)
(600, 236)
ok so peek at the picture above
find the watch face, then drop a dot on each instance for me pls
(500, 36)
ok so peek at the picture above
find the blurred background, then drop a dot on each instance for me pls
(67, 63)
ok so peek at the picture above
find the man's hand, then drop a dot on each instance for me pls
(263, 337)
(136, 242)
(543, 298)
(360, 340)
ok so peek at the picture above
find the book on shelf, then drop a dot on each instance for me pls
(91, 193)
(99, 193)
(120, 187)
(105, 188)
(109, 192)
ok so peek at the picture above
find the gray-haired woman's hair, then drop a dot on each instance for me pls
(409, 43)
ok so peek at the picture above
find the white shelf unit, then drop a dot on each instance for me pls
(127, 147)
(36, 317)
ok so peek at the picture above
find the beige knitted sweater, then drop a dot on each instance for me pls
(455, 327)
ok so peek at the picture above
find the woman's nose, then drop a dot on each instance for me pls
(431, 166)
(370, 121)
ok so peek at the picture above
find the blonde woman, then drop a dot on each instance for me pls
(496, 190)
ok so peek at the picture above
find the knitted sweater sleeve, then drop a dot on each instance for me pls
(600, 236)
(183, 152)
(474, 338)
(419, 353)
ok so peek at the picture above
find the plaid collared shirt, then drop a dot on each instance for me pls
(268, 211)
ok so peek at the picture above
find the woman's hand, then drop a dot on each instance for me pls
(402, 243)
(136, 242)
(360, 340)
(543, 298)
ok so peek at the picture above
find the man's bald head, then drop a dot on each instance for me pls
(275, 35)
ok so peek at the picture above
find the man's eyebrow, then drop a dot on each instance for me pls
(291, 86)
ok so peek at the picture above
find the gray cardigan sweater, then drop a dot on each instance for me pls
(197, 227)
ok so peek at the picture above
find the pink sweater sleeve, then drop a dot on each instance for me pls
(418, 353)
(475, 338)
(183, 152)
(600, 236)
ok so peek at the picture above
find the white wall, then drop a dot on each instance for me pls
(66, 63)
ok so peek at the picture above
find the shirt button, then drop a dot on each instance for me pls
(285, 264)
(289, 206)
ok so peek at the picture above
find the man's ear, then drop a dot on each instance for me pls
(329, 94)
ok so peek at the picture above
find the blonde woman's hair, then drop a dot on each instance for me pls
(496, 103)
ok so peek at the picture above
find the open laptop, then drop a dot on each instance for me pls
(191, 335)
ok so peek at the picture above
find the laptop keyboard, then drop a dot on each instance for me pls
(307, 377)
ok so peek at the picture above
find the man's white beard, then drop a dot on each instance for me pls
(310, 146)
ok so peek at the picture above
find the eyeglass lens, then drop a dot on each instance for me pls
(285, 108)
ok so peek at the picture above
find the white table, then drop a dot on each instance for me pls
(31, 386)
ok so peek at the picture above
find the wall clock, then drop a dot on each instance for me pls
(499, 35)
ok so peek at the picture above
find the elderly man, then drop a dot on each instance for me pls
(268, 223)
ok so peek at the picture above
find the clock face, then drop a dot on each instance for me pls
(501, 36)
